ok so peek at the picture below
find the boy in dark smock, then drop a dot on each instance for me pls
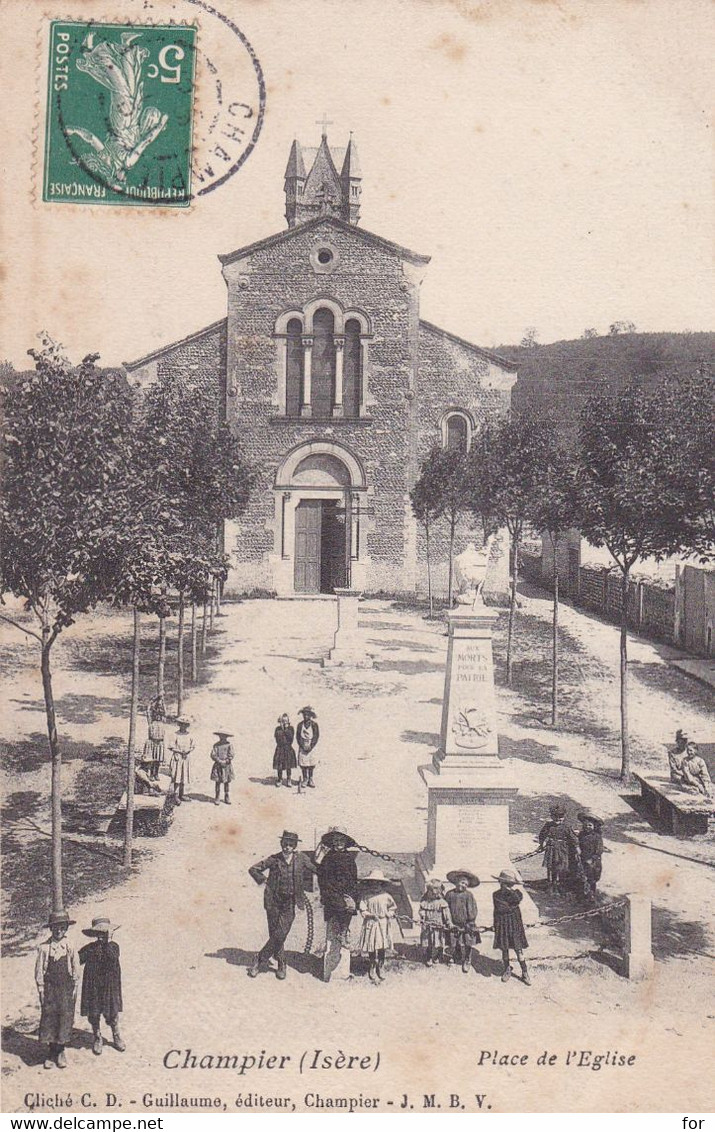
(102, 983)
(509, 934)
(463, 910)
(590, 843)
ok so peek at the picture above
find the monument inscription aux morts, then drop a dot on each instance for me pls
(469, 787)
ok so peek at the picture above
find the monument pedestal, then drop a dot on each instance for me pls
(348, 643)
(469, 789)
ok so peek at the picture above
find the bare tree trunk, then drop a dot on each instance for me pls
(555, 649)
(452, 527)
(131, 744)
(429, 575)
(211, 604)
(218, 581)
(204, 627)
(161, 666)
(625, 739)
(512, 606)
(180, 658)
(193, 642)
(56, 788)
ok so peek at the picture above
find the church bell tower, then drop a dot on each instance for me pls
(313, 185)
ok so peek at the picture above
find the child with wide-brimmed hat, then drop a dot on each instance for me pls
(378, 910)
(222, 768)
(102, 982)
(56, 976)
(307, 735)
(560, 845)
(509, 934)
(463, 910)
(435, 922)
(180, 762)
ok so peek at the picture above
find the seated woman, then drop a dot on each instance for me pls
(696, 775)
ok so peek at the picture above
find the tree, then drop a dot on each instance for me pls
(63, 458)
(590, 332)
(423, 508)
(646, 484)
(504, 470)
(622, 327)
(553, 509)
(530, 338)
(196, 468)
(441, 490)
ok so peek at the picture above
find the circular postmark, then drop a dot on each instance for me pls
(148, 112)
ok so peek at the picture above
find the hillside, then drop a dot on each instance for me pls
(561, 375)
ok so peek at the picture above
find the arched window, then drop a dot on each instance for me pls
(456, 433)
(352, 369)
(294, 367)
(323, 363)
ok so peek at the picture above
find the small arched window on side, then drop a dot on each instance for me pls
(294, 367)
(456, 431)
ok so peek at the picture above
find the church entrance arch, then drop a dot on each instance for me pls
(320, 489)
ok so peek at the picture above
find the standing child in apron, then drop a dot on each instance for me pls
(56, 976)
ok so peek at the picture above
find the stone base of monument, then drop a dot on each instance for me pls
(349, 643)
(468, 828)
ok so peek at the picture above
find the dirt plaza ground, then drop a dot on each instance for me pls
(191, 918)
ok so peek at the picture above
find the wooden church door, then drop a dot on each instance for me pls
(308, 530)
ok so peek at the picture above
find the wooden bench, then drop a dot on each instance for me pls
(682, 812)
(150, 814)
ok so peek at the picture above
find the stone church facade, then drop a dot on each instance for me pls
(337, 388)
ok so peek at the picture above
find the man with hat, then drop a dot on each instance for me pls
(57, 976)
(590, 843)
(222, 769)
(463, 909)
(102, 982)
(285, 875)
(338, 883)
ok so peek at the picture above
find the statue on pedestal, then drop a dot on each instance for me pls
(470, 571)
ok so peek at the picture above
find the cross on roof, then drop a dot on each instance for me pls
(324, 122)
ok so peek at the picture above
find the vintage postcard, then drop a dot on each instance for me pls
(356, 557)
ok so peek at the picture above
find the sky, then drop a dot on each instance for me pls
(554, 160)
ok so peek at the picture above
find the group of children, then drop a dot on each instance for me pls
(285, 760)
(153, 757)
(306, 736)
(57, 975)
(448, 921)
(572, 857)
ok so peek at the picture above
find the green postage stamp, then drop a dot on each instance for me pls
(120, 102)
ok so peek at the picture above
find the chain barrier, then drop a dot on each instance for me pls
(603, 909)
(395, 861)
(310, 928)
(375, 853)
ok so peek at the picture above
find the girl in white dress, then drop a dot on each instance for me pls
(378, 911)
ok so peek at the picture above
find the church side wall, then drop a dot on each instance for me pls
(199, 361)
(451, 376)
(261, 288)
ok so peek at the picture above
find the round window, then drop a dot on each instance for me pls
(325, 255)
